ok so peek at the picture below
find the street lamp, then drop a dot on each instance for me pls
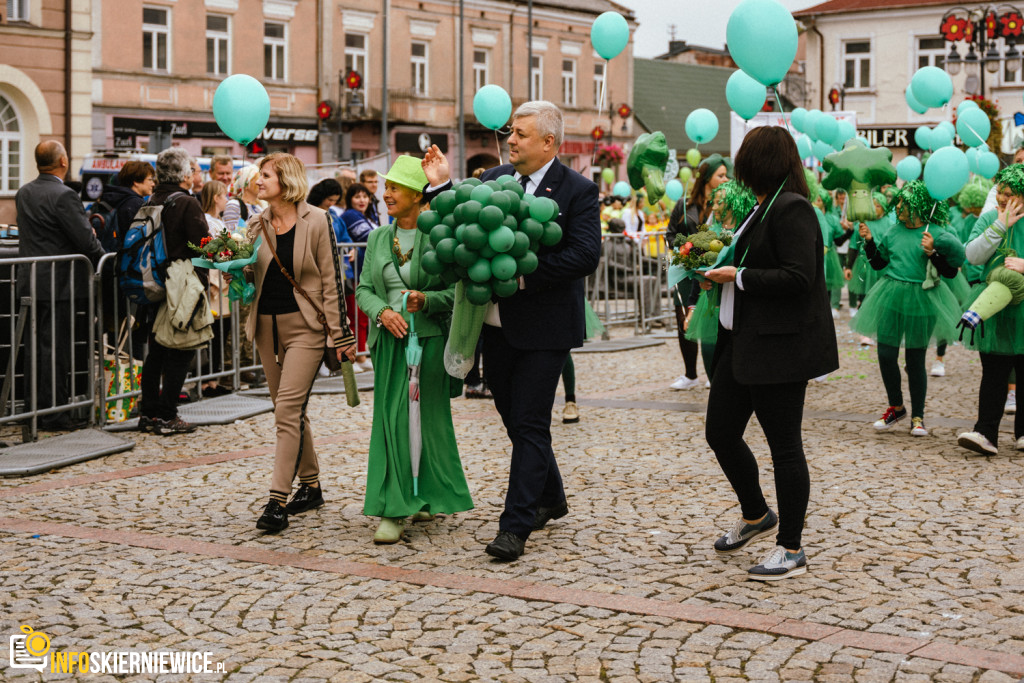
(981, 28)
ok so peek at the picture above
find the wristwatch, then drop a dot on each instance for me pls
(386, 308)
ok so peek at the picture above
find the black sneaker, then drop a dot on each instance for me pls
(175, 426)
(147, 424)
(306, 498)
(891, 416)
(742, 534)
(274, 517)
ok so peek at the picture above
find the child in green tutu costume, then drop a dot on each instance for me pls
(831, 230)
(910, 305)
(732, 202)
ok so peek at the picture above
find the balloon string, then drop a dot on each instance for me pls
(497, 143)
(782, 111)
(604, 84)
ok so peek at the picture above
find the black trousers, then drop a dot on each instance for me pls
(523, 384)
(995, 375)
(779, 409)
(163, 375)
(53, 358)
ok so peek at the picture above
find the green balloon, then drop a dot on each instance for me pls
(502, 200)
(543, 209)
(440, 232)
(552, 234)
(524, 211)
(480, 271)
(446, 250)
(427, 220)
(501, 240)
(472, 182)
(514, 186)
(493, 184)
(503, 267)
(521, 246)
(449, 277)
(478, 293)
(444, 203)
(693, 157)
(431, 263)
(534, 245)
(464, 256)
(487, 253)
(533, 229)
(527, 264)
(450, 221)
(481, 193)
(511, 223)
(505, 287)
(528, 198)
(460, 233)
(471, 210)
(474, 237)
(462, 192)
(490, 218)
(460, 272)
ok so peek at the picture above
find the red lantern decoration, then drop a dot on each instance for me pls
(624, 111)
(597, 133)
(353, 81)
(324, 110)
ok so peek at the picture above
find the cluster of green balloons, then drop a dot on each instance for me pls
(487, 234)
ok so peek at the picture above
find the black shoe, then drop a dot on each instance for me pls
(175, 426)
(274, 517)
(147, 424)
(306, 498)
(506, 546)
(65, 425)
(545, 515)
(214, 392)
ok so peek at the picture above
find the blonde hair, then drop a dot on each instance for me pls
(291, 175)
(209, 193)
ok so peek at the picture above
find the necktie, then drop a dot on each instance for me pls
(523, 180)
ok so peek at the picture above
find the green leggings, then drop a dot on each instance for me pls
(569, 379)
(917, 377)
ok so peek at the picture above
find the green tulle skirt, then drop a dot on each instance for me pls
(1002, 334)
(961, 290)
(863, 276)
(834, 278)
(901, 313)
(703, 325)
(442, 483)
(595, 328)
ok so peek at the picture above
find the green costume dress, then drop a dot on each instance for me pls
(834, 278)
(442, 483)
(1003, 333)
(863, 276)
(899, 310)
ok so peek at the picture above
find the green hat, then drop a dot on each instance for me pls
(714, 161)
(407, 172)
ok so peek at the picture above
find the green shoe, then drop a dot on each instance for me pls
(389, 531)
(422, 516)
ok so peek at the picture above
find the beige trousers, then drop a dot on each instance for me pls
(290, 373)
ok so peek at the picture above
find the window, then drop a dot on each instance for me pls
(17, 10)
(931, 52)
(275, 46)
(419, 68)
(156, 31)
(598, 82)
(356, 56)
(857, 63)
(218, 45)
(569, 82)
(10, 148)
(481, 68)
(537, 78)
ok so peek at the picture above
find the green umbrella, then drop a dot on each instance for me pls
(413, 356)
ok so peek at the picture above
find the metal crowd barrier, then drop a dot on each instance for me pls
(630, 285)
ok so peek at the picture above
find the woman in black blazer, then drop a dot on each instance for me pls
(776, 332)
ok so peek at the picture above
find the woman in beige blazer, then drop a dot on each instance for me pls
(286, 328)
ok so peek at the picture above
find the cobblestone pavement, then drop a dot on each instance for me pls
(915, 549)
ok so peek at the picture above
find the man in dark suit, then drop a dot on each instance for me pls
(527, 337)
(52, 222)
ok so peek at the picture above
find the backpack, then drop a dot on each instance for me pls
(103, 219)
(142, 261)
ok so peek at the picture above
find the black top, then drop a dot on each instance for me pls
(278, 295)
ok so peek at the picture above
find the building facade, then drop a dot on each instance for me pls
(867, 50)
(45, 81)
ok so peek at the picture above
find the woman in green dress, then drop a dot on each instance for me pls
(392, 269)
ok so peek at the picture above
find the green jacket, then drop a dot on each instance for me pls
(372, 297)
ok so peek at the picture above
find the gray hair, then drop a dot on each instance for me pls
(173, 166)
(547, 116)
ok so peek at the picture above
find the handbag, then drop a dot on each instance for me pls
(330, 352)
(122, 374)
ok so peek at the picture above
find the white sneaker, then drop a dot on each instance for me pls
(1020, 444)
(917, 427)
(324, 371)
(822, 378)
(684, 382)
(707, 385)
(1011, 402)
(866, 341)
(853, 312)
(365, 365)
(979, 443)
(356, 368)
(938, 369)
(835, 314)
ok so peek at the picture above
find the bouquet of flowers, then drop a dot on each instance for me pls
(699, 251)
(229, 252)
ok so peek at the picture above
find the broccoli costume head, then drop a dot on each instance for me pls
(646, 164)
(858, 170)
(826, 198)
(918, 203)
(974, 193)
(1012, 177)
(735, 198)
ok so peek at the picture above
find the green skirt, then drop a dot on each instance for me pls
(901, 313)
(595, 328)
(863, 276)
(703, 325)
(961, 290)
(834, 278)
(1002, 334)
(442, 483)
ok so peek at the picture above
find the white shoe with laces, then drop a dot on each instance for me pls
(780, 564)
(917, 427)
(938, 369)
(1011, 402)
(683, 382)
(979, 443)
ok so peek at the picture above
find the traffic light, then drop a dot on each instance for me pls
(257, 148)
